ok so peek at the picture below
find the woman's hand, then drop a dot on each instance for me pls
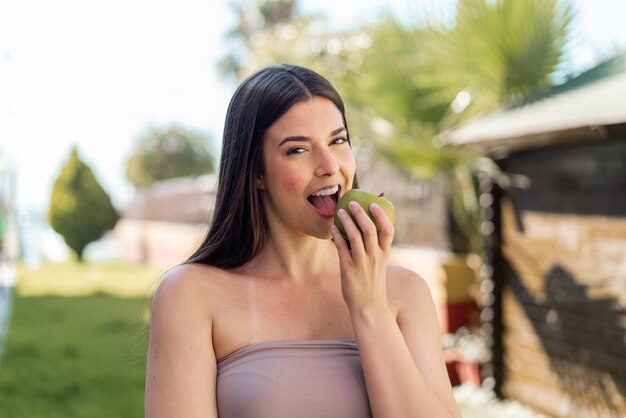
(364, 264)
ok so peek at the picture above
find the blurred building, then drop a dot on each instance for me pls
(164, 223)
(556, 301)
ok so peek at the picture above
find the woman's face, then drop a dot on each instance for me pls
(308, 165)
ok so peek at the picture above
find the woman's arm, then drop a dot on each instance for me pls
(181, 369)
(402, 361)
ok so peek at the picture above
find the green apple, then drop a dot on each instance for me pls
(365, 199)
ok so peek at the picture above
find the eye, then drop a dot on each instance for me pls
(296, 150)
(340, 140)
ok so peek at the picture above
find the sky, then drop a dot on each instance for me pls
(96, 73)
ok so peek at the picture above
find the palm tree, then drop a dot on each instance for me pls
(426, 78)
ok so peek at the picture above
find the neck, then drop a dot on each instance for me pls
(295, 257)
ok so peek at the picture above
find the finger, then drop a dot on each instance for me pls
(366, 225)
(342, 246)
(352, 233)
(385, 227)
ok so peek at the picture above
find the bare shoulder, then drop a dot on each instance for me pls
(190, 275)
(189, 285)
(406, 285)
(185, 295)
(180, 370)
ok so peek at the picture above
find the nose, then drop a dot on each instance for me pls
(327, 164)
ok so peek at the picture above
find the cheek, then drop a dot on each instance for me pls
(289, 177)
(292, 182)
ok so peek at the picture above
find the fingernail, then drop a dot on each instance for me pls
(341, 212)
(374, 206)
(353, 204)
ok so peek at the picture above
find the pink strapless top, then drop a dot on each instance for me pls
(293, 378)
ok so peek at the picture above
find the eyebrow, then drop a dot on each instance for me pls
(306, 138)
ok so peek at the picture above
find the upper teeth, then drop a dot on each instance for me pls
(326, 192)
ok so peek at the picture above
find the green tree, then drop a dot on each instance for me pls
(168, 153)
(80, 209)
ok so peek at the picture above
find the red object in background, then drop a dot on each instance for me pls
(461, 314)
(457, 309)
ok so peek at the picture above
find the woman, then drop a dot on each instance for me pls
(275, 315)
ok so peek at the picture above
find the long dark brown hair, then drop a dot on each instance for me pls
(239, 227)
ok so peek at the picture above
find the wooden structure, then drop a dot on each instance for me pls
(556, 299)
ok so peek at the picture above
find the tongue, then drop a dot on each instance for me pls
(324, 203)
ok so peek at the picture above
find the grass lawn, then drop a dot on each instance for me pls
(76, 345)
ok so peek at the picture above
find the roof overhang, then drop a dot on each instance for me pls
(574, 115)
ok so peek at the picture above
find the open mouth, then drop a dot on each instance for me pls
(325, 205)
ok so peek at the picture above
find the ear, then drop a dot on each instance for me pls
(260, 182)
